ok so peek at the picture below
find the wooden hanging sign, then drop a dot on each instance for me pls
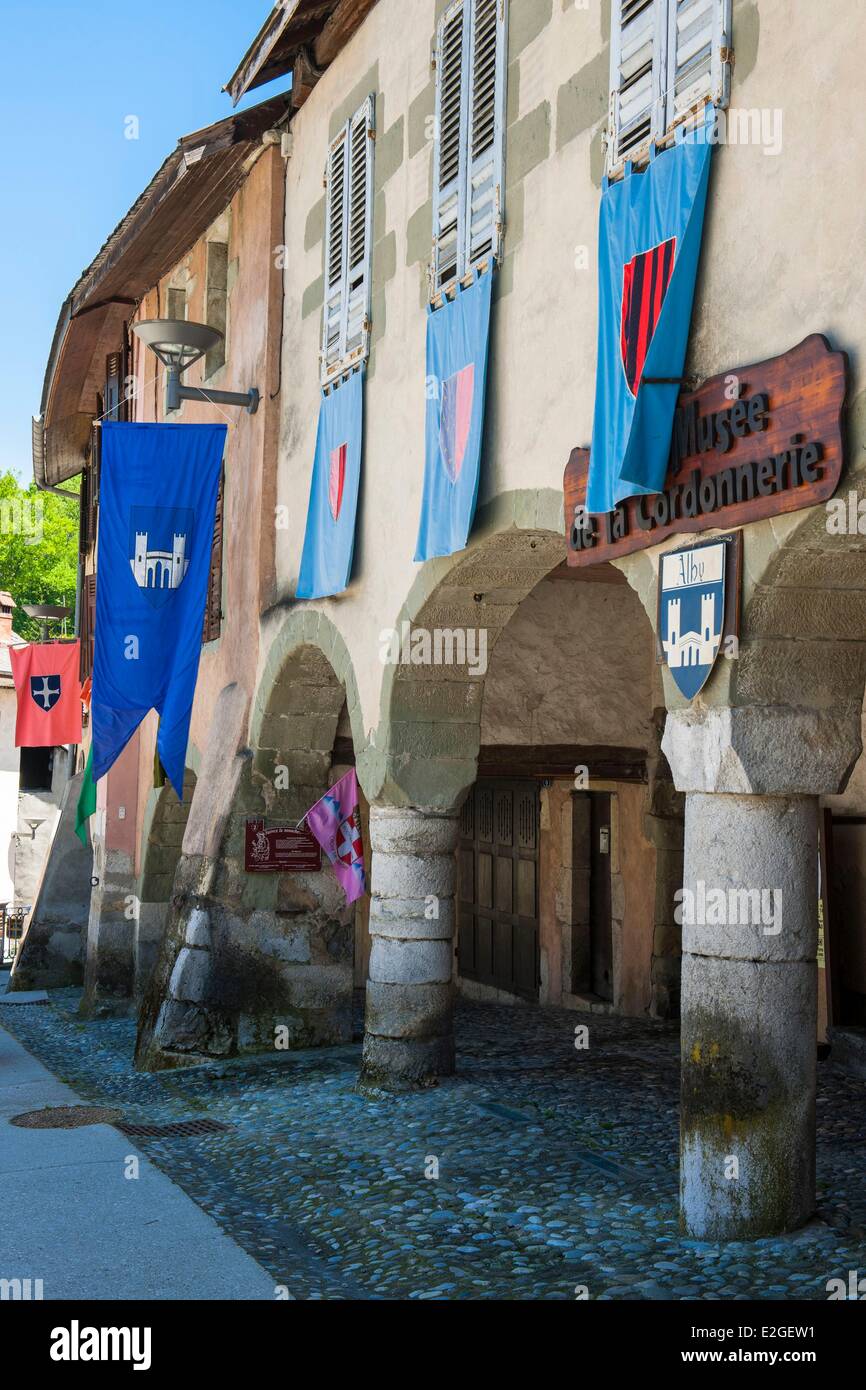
(748, 444)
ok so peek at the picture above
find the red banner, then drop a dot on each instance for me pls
(49, 694)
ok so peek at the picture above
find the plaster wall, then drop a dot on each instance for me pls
(768, 276)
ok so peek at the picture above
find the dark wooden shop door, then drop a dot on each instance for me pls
(497, 895)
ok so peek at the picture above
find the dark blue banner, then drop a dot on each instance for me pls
(457, 339)
(157, 501)
(649, 244)
(329, 541)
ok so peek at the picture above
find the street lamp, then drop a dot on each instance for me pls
(178, 345)
(46, 613)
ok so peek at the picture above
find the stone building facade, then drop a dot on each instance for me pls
(606, 787)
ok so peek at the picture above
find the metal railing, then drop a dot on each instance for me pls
(12, 921)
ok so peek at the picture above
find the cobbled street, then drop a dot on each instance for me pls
(557, 1168)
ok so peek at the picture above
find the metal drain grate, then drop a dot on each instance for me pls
(180, 1129)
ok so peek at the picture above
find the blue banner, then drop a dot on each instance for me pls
(457, 338)
(157, 500)
(649, 244)
(326, 563)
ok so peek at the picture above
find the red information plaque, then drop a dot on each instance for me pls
(280, 850)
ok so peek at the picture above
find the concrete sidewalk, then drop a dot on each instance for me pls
(69, 1216)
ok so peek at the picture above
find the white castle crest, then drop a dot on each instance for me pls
(159, 569)
(692, 648)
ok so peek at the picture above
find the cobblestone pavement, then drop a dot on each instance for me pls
(556, 1167)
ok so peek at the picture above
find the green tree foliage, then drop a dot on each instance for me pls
(38, 549)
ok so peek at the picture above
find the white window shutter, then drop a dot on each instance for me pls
(348, 244)
(486, 112)
(449, 143)
(699, 42)
(333, 316)
(638, 44)
(360, 229)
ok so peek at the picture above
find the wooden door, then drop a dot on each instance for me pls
(497, 895)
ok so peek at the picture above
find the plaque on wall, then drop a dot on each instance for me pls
(280, 850)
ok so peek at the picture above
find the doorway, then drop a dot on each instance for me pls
(497, 893)
(592, 943)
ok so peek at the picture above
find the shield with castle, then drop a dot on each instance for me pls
(160, 543)
(692, 612)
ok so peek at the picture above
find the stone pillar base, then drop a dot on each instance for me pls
(749, 1010)
(409, 1029)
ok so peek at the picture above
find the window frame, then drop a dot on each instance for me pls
(663, 114)
(332, 366)
(465, 263)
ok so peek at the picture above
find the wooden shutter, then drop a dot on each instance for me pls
(359, 230)
(213, 605)
(486, 122)
(638, 41)
(87, 625)
(348, 243)
(335, 255)
(468, 149)
(84, 513)
(90, 502)
(449, 143)
(698, 48)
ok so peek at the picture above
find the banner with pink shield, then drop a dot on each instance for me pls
(335, 822)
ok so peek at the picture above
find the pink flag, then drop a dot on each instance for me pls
(335, 822)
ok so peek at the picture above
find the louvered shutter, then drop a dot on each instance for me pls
(359, 218)
(84, 512)
(468, 150)
(213, 605)
(114, 403)
(449, 145)
(348, 243)
(698, 46)
(90, 525)
(335, 255)
(484, 142)
(638, 42)
(87, 626)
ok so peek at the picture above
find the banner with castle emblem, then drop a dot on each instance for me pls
(457, 339)
(329, 540)
(649, 243)
(692, 612)
(158, 493)
(49, 694)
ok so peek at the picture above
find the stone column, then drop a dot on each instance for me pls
(749, 1010)
(409, 1032)
(749, 974)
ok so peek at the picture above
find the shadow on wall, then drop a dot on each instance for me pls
(53, 950)
(252, 961)
(159, 864)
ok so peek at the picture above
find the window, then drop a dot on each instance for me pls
(37, 769)
(177, 304)
(214, 603)
(216, 309)
(348, 239)
(667, 59)
(468, 146)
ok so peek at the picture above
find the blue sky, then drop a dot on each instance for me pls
(75, 69)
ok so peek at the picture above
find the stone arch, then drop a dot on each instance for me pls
(430, 715)
(432, 734)
(248, 954)
(162, 841)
